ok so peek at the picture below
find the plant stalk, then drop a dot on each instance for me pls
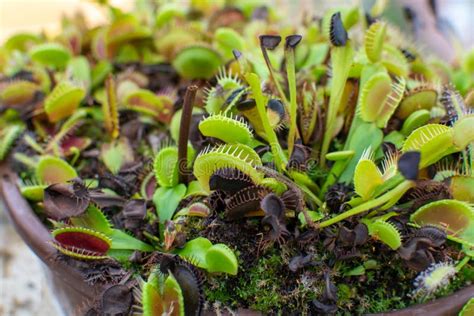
(462, 263)
(279, 156)
(290, 71)
(186, 115)
(397, 191)
(272, 75)
(341, 61)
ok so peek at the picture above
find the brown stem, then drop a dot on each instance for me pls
(186, 115)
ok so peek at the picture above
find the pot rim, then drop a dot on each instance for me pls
(38, 238)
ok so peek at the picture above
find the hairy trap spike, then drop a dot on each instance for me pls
(367, 177)
(380, 98)
(395, 61)
(63, 101)
(456, 217)
(463, 131)
(374, 40)
(109, 107)
(389, 164)
(433, 141)
(166, 166)
(81, 243)
(227, 80)
(230, 130)
(452, 102)
(229, 180)
(162, 296)
(385, 232)
(8, 135)
(244, 201)
(236, 156)
(18, 93)
(446, 169)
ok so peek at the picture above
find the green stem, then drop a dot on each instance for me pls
(186, 116)
(311, 195)
(76, 154)
(26, 160)
(272, 76)
(462, 263)
(333, 175)
(341, 61)
(278, 155)
(397, 191)
(290, 70)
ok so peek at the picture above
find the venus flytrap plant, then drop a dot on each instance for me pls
(197, 62)
(380, 89)
(63, 101)
(389, 198)
(385, 232)
(50, 54)
(227, 168)
(456, 217)
(216, 258)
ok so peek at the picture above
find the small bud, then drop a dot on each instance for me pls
(408, 164)
(269, 41)
(292, 41)
(338, 33)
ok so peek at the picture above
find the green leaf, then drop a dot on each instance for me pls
(167, 200)
(194, 62)
(367, 177)
(195, 251)
(195, 189)
(116, 154)
(366, 135)
(78, 71)
(54, 170)
(359, 270)
(385, 232)
(220, 258)
(94, 219)
(166, 166)
(456, 217)
(121, 240)
(313, 215)
(433, 141)
(50, 54)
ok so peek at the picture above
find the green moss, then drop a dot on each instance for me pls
(266, 286)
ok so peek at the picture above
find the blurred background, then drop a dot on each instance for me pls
(23, 286)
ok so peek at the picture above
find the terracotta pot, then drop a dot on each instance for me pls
(76, 296)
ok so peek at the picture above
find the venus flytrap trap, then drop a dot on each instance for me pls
(183, 160)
